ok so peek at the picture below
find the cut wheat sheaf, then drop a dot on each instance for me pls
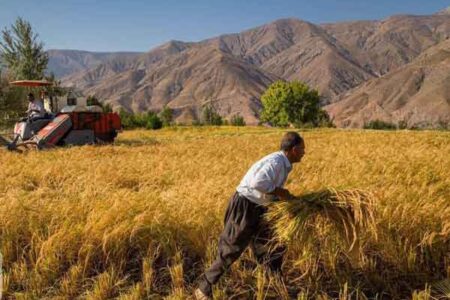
(350, 213)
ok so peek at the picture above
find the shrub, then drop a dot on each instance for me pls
(237, 120)
(152, 121)
(197, 123)
(166, 116)
(402, 124)
(92, 100)
(126, 118)
(210, 116)
(149, 120)
(379, 125)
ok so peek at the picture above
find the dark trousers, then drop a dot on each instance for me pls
(243, 226)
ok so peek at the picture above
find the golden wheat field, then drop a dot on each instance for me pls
(140, 219)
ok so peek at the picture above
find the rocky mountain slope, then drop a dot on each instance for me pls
(67, 62)
(417, 94)
(233, 70)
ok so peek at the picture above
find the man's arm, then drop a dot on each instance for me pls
(282, 193)
(35, 107)
(264, 181)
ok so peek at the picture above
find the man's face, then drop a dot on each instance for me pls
(297, 152)
(31, 99)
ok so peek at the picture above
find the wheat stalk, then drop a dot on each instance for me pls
(350, 212)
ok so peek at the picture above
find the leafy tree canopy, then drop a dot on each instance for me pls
(286, 103)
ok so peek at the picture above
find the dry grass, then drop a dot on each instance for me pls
(140, 219)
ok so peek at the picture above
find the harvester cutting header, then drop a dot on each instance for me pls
(57, 121)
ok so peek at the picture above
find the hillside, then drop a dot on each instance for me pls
(233, 70)
(383, 46)
(67, 62)
(189, 80)
(417, 93)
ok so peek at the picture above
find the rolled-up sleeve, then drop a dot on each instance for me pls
(265, 178)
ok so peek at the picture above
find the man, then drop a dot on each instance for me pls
(47, 101)
(35, 108)
(243, 224)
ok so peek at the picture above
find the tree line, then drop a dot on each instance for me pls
(165, 118)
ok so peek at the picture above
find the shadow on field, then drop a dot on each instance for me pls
(3, 141)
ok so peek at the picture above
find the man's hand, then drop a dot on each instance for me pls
(283, 194)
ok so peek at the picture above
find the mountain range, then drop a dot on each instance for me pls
(364, 70)
(417, 94)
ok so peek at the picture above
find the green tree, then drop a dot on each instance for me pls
(210, 116)
(21, 57)
(379, 125)
(126, 119)
(106, 107)
(12, 102)
(166, 116)
(286, 103)
(22, 53)
(148, 120)
(92, 100)
(237, 120)
(152, 121)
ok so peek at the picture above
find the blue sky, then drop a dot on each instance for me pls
(141, 25)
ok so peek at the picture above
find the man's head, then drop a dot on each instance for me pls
(293, 146)
(30, 97)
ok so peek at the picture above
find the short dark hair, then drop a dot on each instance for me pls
(290, 140)
(30, 95)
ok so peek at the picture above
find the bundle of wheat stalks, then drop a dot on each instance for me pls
(350, 213)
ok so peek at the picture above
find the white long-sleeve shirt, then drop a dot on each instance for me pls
(264, 176)
(36, 109)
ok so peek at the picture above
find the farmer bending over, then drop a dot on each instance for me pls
(243, 224)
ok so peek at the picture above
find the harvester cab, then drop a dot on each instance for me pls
(66, 121)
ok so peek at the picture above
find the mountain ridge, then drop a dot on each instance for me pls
(423, 98)
(333, 58)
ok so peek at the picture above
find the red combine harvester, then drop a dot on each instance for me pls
(71, 125)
